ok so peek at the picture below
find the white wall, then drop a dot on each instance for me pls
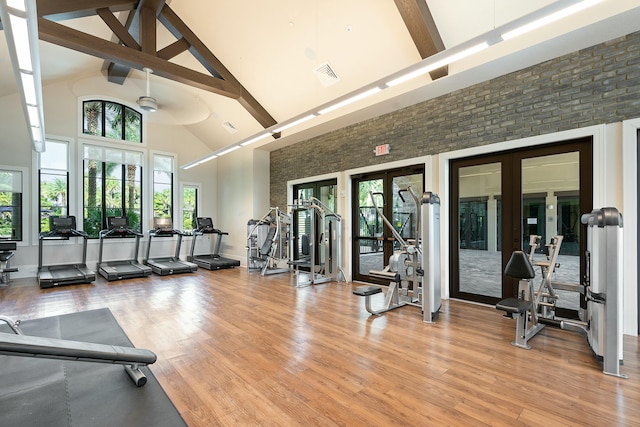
(61, 109)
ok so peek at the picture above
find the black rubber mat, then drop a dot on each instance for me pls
(42, 392)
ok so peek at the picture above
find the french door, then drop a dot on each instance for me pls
(325, 191)
(499, 200)
(373, 242)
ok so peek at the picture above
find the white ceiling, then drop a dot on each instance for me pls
(273, 47)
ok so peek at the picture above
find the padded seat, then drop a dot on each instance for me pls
(514, 305)
(365, 291)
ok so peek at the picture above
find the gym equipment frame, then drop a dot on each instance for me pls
(63, 228)
(601, 320)
(6, 253)
(415, 263)
(267, 242)
(324, 259)
(211, 261)
(163, 227)
(125, 269)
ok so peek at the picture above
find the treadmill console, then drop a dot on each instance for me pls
(163, 226)
(118, 223)
(62, 225)
(205, 225)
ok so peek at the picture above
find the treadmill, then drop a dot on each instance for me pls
(118, 227)
(163, 227)
(63, 228)
(210, 261)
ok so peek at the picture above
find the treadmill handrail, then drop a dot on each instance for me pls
(121, 231)
(53, 348)
(53, 234)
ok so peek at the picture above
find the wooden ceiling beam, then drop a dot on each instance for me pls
(91, 45)
(423, 30)
(201, 52)
(59, 10)
(174, 49)
(118, 29)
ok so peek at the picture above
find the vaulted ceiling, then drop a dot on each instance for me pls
(251, 64)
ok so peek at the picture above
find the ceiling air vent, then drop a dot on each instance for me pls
(326, 75)
(229, 127)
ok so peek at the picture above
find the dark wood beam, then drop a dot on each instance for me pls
(174, 49)
(212, 64)
(58, 10)
(91, 45)
(118, 73)
(118, 29)
(147, 30)
(423, 30)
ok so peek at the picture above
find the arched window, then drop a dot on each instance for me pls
(111, 120)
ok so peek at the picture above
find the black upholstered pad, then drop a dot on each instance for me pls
(519, 266)
(514, 305)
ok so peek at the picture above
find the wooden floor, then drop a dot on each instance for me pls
(238, 349)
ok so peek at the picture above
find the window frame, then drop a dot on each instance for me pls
(198, 204)
(81, 162)
(103, 119)
(103, 139)
(24, 216)
(38, 180)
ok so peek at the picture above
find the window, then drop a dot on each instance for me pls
(53, 180)
(112, 187)
(189, 206)
(111, 120)
(162, 186)
(10, 205)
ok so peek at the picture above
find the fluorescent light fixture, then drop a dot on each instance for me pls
(21, 40)
(350, 100)
(255, 139)
(563, 13)
(228, 150)
(20, 24)
(29, 87)
(440, 63)
(293, 123)
(17, 4)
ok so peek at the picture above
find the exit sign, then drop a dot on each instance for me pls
(383, 149)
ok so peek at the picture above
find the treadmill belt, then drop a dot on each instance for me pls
(43, 392)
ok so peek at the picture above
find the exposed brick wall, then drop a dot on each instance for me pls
(597, 85)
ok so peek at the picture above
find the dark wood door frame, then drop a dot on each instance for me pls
(511, 180)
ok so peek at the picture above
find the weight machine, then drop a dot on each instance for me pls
(414, 269)
(600, 322)
(268, 242)
(320, 251)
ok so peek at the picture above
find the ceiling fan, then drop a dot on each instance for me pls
(147, 102)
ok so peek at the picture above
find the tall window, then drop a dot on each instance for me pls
(53, 182)
(112, 187)
(111, 120)
(189, 206)
(10, 204)
(162, 186)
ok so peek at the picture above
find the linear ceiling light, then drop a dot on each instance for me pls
(255, 138)
(293, 123)
(548, 19)
(438, 64)
(350, 100)
(20, 24)
(543, 16)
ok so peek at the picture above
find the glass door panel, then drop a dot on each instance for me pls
(551, 207)
(370, 231)
(406, 214)
(479, 222)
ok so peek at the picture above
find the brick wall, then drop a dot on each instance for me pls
(597, 85)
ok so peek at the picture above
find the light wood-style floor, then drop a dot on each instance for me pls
(238, 349)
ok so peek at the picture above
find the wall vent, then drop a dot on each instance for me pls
(326, 75)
